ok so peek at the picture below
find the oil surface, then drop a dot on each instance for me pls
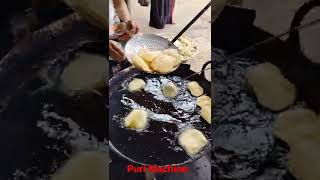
(41, 126)
(244, 147)
(167, 117)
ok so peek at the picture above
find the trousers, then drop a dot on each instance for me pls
(161, 13)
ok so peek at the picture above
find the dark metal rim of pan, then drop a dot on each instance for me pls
(204, 151)
(294, 37)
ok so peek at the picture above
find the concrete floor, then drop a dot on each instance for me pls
(184, 11)
(275, 17)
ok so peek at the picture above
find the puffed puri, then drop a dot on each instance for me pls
(271, 88)
(195, 89)
(136, 119)
(170, 90)
(136, 85)
(192, 141)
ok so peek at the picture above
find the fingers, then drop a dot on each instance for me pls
(133, 27)
(136, 29)
(117, 49)
(115, 52)
(124, 37)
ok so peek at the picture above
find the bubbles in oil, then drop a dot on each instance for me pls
(184, 101)
(167, 117)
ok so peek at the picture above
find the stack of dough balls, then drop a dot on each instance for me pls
(192, 141)
(157, 61)
(170, 90)
(300, 129)
(272, 90)
(87, 165)
(136, 119)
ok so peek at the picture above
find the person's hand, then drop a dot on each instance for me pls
(132, 27)
(115, 52)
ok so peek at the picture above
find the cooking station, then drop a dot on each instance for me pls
(199, 169)
(22, 141)
(232, 32)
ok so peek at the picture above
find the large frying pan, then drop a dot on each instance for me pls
(301, 64)
(151, 147)
(23, 144)
(296, 67)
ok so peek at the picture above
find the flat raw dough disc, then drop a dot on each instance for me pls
(87, 72)
(85, 166)
(195, 88)
(136, 119)
(192, 141)
(270, 87)
(136, 85)
(300, 129)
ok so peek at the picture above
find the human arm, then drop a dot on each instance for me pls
(122, 11)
